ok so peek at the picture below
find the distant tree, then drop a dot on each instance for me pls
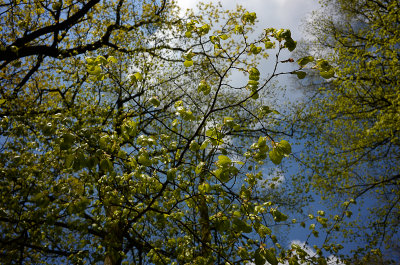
(352, 120)
(123, 139)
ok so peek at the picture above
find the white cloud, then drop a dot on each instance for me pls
(271, 13)
(287, 14)
(331, 260)
(186, 4)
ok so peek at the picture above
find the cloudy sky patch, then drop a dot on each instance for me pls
(286, 14)
(271, 13)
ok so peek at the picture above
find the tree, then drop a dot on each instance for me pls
(352, 119)
(36, 35)
(123, 139)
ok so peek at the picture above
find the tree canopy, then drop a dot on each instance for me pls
(123, 139)
(351, 121)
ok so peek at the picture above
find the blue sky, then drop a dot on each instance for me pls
(287, 14)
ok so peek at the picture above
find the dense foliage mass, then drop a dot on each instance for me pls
(352, 120)
(123, 139)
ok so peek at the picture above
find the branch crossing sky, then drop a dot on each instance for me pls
(271, 13)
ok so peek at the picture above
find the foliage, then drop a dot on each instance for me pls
(353, 120)
(123, 139)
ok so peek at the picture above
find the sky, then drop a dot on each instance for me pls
(271, 13)
(287, 14)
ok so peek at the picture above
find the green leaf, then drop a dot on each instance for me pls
(293, 261)
(67, 141)
(215, 136)
(101, 59)
(222, 174)
(255, 96)
(204, 87)
(327, 74)
(241, 226)
(223, 160)
(205, 144)
(154, 101)
(255, 49)
(90, 60)
(188, 63)
(199, 168)
(69, 160)
(171, 174)
(348, 213)
(305, 60)
(290, 44)
(122, 154)
(194, 146)
(275, 156)
(132, 162)
(79, 161)
(253, 85)
(138, 76)
(285, 147)
(94, 70)
(323, 65)
(223, 151)
(278, 216)
(57, 5)
(264, 110)
(224, 37)
(269, 45)
(228, 121)
(238, 29)
(249, 17)
(111, 59)
(263, 231)
(242, 252)
(262, 141)
(144, 160)
(254, 77)
(214, 39)
(236, 214)
(217, 173)
(286, 34)
(300, 74)
(270, 257)
(175, 123)
(254, 71)
(104, 141)
(48, 129)
(204, 187)
(205, 29)
(259, 258)
(106, 165)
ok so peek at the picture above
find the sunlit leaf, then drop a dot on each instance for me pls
(300, 74)
(305, 60)
(188, 63)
